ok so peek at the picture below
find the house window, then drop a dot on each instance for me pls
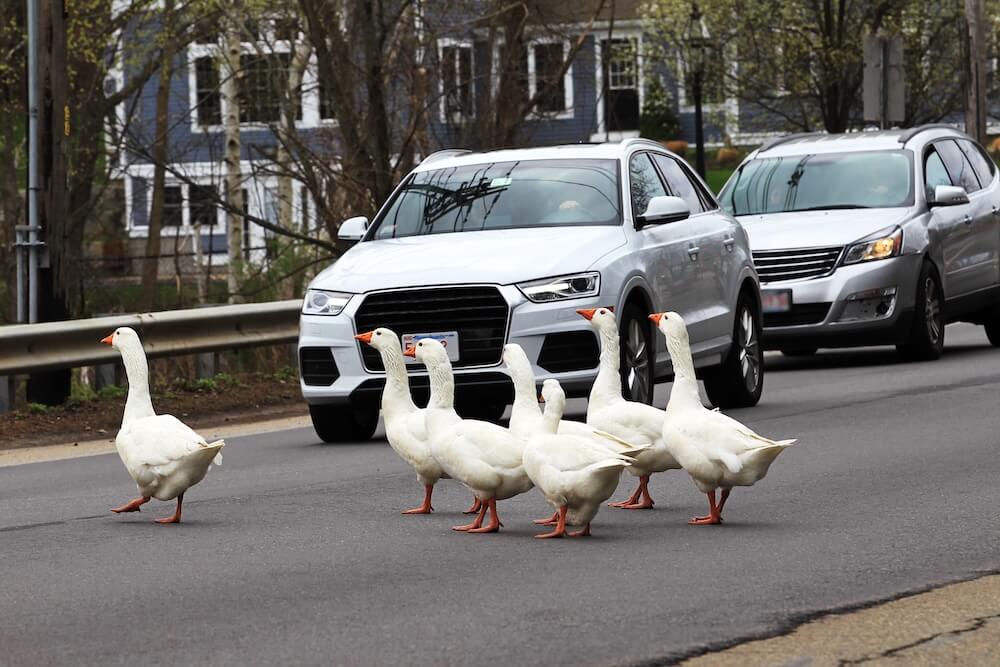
(456, 80)
(173, 206)
(202, 205)
(547, 79)
(207, 99)
(262, 87)
(621, 86)
(325, 94)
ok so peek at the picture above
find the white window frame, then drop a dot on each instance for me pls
(451, 42)
(636, 34)
(568, 110)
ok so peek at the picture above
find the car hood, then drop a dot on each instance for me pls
(497, 256)
(809, 229)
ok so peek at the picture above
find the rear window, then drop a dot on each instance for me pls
(504, 195)
(821, 181)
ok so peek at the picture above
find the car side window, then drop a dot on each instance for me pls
(644, 183)
(680, 183)
(981, 163)
(958, 167)
(934, 173)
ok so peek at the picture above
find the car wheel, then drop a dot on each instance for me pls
(926, 341)
(343, 423)
(486, 411)
(637, 357)
(800, 352)
(739, 381)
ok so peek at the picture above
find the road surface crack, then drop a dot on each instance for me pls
(975, 624)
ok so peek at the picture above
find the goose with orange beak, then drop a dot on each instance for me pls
(484, 457)
(717, 451)
(635, 423)
(161, 453)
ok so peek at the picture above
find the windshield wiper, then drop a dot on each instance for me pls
(826, 207)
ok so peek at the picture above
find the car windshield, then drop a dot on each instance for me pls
(873, 179)
(504, 195)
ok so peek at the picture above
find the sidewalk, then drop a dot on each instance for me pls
(957, 624)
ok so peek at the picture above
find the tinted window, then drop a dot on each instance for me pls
(959, 169)
(980, 162)
(934, 173)
(504, 195)
(680, 182)
(644, 182)
(821, 181)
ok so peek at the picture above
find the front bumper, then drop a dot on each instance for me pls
(530, 323)
(844, 324)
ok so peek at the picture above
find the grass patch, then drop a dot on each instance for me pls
(716, 178)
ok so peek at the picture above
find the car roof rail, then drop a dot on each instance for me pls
(777, 141)
(442, 154)
(914, 131)
(641, 141)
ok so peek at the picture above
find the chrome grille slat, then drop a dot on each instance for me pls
(795, 263)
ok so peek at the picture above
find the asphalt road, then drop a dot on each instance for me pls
(294, 552)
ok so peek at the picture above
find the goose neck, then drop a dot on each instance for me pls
(685, 387)
(525, 405)
(551, 417)
(138, 404)
(396, 395)
(608, 382)
(442, 387)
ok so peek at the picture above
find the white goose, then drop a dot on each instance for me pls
(717, 451)
(575, 474)
(483, 456)
(636, 423)
(163, 455)
(404, 421)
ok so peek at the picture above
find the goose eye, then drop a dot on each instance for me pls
(378, 333)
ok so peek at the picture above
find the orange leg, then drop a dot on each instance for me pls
(582, 533)
(631, 500)
(714, 511)
(551, 521)
(494, 525)
(176, 518)
(477, 522)
(560, 528)
(131, 506)
(476, 505)
(426, 507)
(647, 500)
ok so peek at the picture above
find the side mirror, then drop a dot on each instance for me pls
(353, 229)
(664, 209)
(948, 195)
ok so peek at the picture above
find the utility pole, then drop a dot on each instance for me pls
(975, 80)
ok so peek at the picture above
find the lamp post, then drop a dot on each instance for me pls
(697, 40)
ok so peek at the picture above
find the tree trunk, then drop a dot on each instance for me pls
(234, 177)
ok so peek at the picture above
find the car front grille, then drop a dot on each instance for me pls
(317, 367)
(796, 263)
(569, 351)
(800, 313)
(479, 314)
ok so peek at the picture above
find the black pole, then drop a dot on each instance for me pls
(699, 130)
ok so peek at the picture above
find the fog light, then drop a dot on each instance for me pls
(871, 304)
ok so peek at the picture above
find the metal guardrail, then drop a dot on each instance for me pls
(27, 348)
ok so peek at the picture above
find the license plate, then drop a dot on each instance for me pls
(447, 338)
(776, 301)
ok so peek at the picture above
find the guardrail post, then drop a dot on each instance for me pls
(205, 365)
(6, 394)
(104, 376)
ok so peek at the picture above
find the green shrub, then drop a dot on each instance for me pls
(658, 120)
(112, 391)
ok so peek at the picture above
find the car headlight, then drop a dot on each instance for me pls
(883, 245)
(321, 302)
(564, 287)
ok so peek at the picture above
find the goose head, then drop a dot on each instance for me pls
(380, 339)
(602, 319)
(516, 360)
(672, 326)
(553, 394)
(429, 352)
(123, 337)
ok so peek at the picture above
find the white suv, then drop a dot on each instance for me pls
(481, 249)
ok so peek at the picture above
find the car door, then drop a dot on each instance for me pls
(667, 251)
(989, 220)
(964, 228)
(712, 311)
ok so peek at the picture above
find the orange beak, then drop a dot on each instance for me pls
(410, 351)
(588, 313)
(365, 337)
(656, 317)
(107, 339)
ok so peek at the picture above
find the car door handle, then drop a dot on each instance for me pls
(994, 209)
(729, 242)
(967, 219)
(693, 252)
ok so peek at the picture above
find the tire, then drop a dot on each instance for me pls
(991, 323)
(486, 411)
(343, 423)
(801, 352)
(739, 381)
(926, 339)
(637, 357)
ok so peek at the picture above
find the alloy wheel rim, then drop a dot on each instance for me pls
(932, 311)
(749, 350)
(636, 362)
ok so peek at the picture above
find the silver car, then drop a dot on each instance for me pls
(871, 238)
(481, 249)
